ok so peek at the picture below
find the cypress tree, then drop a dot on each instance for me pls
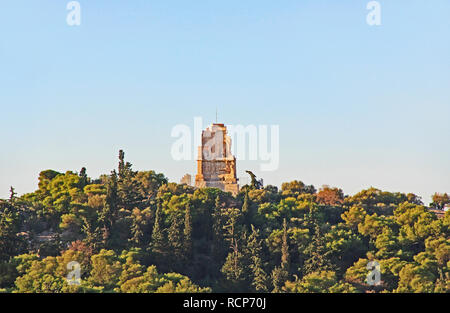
(285, 249)
(254, 245)
(108, 215)
(121, 163)
(137, 233)
(246, 209)
(281, 274)
(218, 248)
(128, 186)
(175, 240)
(157, 244)
(187, 233)
(246, 204)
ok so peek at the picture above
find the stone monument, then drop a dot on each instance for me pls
(216, 166)
(186, 179)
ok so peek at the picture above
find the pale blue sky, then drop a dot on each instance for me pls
(358, 106)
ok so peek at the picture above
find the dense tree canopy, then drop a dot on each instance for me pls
(133, 231)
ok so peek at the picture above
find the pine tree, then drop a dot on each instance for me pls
(136, 232)
(12, 194)
(279, 277)
(234, 268)
(10, 221)
(83, 177)
(139, 228)
(93, 234)
(317, 254)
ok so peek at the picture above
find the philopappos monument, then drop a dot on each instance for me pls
(216, 166)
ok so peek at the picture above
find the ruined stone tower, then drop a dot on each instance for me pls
(216, 166)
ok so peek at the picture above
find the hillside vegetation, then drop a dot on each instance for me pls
(133, 231)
